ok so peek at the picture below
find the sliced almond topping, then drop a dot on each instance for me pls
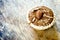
(33, 19)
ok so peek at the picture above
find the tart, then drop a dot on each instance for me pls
(41, 18)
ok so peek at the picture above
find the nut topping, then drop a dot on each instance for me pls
(38, 14)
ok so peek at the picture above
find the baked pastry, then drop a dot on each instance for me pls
(41, 18)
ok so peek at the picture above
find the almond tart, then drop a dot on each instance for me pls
(41, 18)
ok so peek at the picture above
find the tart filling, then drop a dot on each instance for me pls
(42, 16)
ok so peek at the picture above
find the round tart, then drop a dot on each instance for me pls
(41, 18)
